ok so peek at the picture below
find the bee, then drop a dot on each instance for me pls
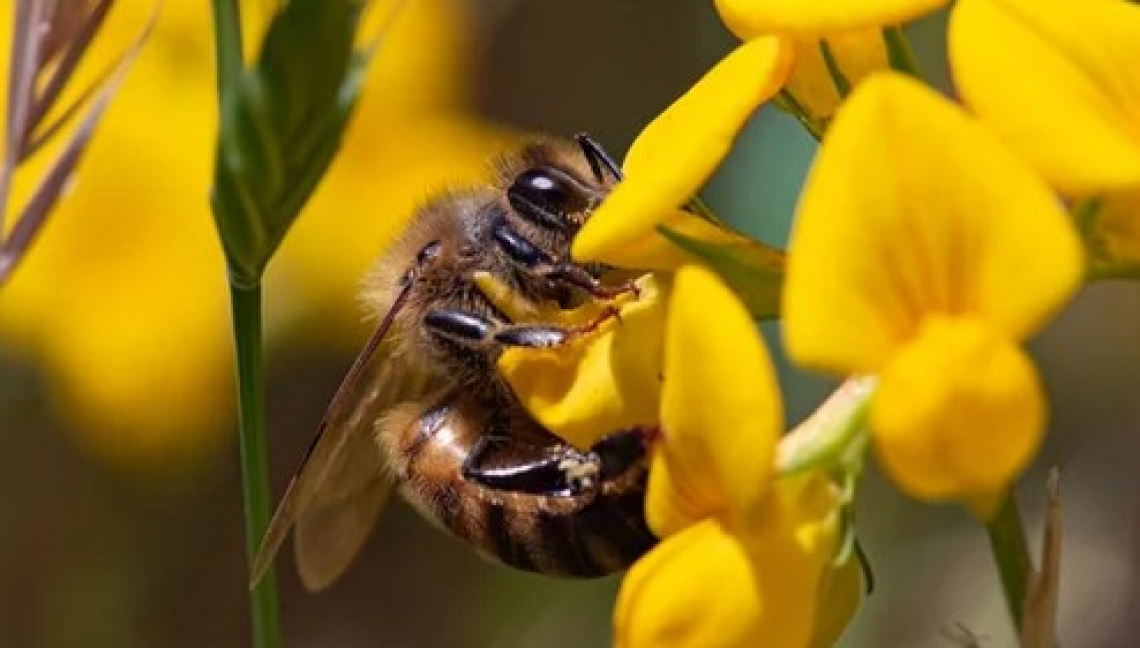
(423, 409)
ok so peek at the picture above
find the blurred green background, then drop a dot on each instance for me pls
(120, 509)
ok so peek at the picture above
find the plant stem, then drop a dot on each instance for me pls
(830, 432)
(899, 54)
(1011, 553)
(227, 48)
(246, 309)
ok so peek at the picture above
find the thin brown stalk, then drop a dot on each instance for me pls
(1039, 627)
(50, 40)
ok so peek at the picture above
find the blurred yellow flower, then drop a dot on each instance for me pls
(1060, 81)
(124, 296)
(1073, 113)
(923, 251)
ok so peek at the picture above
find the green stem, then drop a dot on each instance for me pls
(899, 54)
(1011, 553)
(246, 309)
(831, 432)
(227, 48)
(842, 83)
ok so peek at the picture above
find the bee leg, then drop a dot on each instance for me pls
(477, 330)
(619, 451)
(548, 336)
(549, 470)
(577, 276)
(534, 260)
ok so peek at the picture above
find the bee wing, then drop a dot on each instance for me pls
(343, 482)
(338, 505)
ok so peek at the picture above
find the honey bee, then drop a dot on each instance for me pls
(423, 409)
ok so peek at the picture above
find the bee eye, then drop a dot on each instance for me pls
(547, 196)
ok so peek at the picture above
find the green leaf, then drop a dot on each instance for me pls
(282, 126)
(754, 271)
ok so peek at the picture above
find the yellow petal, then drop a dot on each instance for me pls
(713, 585)
(959, 412)
(1060, 80)
(721, 413)
(856, 54)
(750, 18)
(604, 382)
(696, 589)
(652, 251)
(912, 208)
(678, 151)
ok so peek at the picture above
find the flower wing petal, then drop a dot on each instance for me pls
(679, 150)
(912, 208)
(720, 411)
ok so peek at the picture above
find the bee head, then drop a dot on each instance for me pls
(551, 197)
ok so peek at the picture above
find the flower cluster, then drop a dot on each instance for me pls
(931, 239)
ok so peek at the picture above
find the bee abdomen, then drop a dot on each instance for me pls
(561, 535)
(583, 534)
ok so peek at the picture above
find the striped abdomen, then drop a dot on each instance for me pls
(592, 533)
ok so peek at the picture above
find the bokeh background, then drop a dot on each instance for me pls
(120, 508)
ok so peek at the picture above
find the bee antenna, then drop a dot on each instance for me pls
(597, 157)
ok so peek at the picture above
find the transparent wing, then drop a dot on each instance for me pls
(335, 497)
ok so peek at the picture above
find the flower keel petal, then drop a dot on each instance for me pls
(959, 412)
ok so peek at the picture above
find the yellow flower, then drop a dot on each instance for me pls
(675, 155)
(742, 558)
(923, 251)
(124, 297)
(1060, 81)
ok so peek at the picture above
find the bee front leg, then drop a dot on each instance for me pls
(529, 257)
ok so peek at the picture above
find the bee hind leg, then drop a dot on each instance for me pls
(499, 463)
